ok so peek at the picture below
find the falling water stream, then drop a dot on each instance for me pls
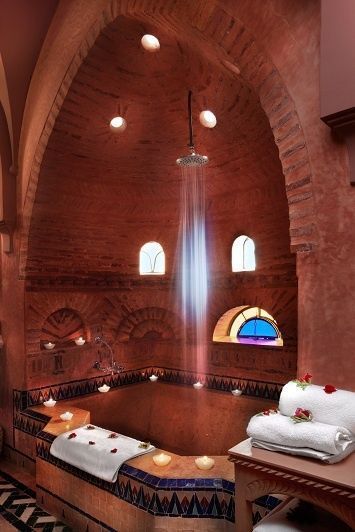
(194, 261)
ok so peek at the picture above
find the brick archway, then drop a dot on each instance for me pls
(228, 42)
(144, 321)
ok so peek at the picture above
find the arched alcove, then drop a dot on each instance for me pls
(258, 73)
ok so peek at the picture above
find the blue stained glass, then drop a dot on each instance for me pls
(257, 328)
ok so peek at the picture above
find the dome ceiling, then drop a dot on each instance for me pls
(102, 195)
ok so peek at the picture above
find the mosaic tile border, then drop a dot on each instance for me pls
(211, 498)
(189, 498)
(23, 399)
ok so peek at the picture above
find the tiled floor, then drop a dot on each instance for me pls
(18, 508)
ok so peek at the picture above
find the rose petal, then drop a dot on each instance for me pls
(113, 435)
(72, 435)
(113, 451)
(91, 443)
(329, 388)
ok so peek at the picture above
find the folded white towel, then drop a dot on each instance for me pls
(347, 448)
(336, 408)
(282, 430)
(97, 458)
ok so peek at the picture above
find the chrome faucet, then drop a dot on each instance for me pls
(114, 367)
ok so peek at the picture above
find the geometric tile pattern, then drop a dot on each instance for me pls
(23, 399)
(18, 506)
(211, 498)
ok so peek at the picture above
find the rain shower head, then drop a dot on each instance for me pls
(193, 159)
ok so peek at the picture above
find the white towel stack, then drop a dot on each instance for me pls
(329, 436)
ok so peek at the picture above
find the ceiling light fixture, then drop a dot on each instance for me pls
(118, 124)
(150, 43)
(208, 119)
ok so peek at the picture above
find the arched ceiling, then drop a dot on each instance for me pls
(100, 196)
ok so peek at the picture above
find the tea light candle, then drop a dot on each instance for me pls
(237, 392)
(162, 459)
(204, 462)
(153, 378)
(198, 385)
(66, 416)
(50, 402)
(49, 345)
(104, 388)
(80, 340)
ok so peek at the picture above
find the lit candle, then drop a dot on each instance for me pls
(50, 402)
(80, 340)
(198, 385)
(66, 416)
(204, 462)
(49, 345)
(104, 388)
(153, 378)
(161, 459)
(237, 392)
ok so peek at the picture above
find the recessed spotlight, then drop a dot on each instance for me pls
(150, 43)
(208, 119)
(118, 124)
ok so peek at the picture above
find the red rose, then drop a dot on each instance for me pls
(113, 451)
(307, 377)
(301, 415)
(329, 388)
(91, 443)
(72, 435)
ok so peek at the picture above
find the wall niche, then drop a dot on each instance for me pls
(61, 329)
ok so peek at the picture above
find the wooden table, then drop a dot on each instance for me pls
(259, 472)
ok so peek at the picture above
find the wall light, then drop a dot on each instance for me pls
(80, 340)
(208, 119)
(150, 43)
(48, 345)
(118, 124)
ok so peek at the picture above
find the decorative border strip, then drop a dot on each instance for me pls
(24, 399)
(201, 498)
(211, 498)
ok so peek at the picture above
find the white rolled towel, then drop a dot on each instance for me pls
(336, 408)
(276, 428)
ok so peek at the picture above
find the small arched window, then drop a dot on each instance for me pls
(151, 259)
(248, 325)
(243, 254)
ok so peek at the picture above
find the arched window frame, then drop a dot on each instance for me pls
(152, 253)
(231, 322)
(239, 254)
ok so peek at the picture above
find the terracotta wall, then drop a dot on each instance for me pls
(83, 237)
(100, 197)
(144, 327)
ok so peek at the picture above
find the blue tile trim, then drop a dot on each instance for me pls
(23, 399)
(147, 494)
